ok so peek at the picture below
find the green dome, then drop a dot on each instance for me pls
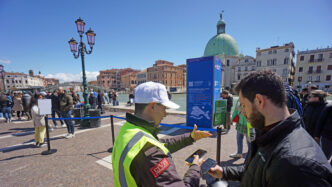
(221, 44)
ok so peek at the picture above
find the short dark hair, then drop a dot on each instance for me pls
(263, 82)
(139, 108)
(225, 92)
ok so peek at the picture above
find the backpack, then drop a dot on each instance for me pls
(294, 102)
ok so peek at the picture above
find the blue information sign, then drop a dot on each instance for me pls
(203, 89)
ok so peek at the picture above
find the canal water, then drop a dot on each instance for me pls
(181, 100)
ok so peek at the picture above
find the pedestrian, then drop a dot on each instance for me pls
(304, 97)
(323, 131)
(115, 98)
(93, 100)
(241, 130)
(226, 95)
(110, 98)
(66, 106)
(100, 101)
(6, 105)
(18, 106)
(283, 153)
(56, 109)
(139, 157)
(26, 101)
(38, 121)
(131, 99)
(313, 109)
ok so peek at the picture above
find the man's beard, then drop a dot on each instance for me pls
(256, 119)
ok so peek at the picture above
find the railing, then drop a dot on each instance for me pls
(316, 60)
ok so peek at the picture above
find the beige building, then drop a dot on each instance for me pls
(279, 59)
(141, 77)
(111, 79)
(245, 66)
(20, 80)
(128, 81)
(314, 67)
(166, 73)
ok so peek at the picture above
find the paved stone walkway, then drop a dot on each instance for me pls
(84, 160)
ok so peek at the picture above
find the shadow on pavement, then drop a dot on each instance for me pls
(21, 156)
(23, 129)
(18, 147)
(94, 154)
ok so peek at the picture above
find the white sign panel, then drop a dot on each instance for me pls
(45, 106)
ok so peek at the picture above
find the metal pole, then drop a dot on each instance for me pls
(112, 128)
(85, 122)
(49, 150)
(218, 143)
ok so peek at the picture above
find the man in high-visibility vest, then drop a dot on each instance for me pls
(139, 158)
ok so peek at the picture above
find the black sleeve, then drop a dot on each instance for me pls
(233, 173)
(142, 169)
(175, 143)
(321, 122)
(294, 171)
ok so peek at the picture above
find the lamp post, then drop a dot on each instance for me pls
(2, 72)
(81, 50)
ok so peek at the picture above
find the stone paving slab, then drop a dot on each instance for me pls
(75, 162)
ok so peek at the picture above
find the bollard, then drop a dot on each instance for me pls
(49, 150)
(112, 128)
(218, 144)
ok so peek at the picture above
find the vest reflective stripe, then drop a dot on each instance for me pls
(131, 143)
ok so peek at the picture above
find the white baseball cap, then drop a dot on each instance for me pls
(153, 92)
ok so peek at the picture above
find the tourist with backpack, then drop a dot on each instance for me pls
(6, 105)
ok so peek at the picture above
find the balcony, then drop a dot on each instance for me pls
(316, 60)
(318, 71)
(310, 72)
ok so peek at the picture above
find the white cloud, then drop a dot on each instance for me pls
(68, 77)
(5, 61)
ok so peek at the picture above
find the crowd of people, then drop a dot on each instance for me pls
(284, 132)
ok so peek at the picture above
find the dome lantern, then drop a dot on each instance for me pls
(221, 25)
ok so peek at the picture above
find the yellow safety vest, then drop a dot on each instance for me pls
(130, 140)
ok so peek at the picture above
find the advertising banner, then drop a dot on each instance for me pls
(203, 88)
(220, 112)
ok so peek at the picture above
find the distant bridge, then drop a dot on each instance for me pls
(76, 86)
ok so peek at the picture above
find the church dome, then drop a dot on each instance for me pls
(221, 43)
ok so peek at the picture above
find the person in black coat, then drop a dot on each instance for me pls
(283, 153)
(323, 131)
(313, 109)
(93, 100)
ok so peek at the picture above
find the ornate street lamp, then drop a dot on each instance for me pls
(81, 50)
(2, 72)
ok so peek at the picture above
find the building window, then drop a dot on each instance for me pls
(227, 62)
(238, 76)
(310, 69)
(7, 81)
(252, 68)
(259, 54)
(301, 58)
(318, 69)
(330, 55)
(284, 72)
(329, 67)
(299, 79)
(274, 51)
(320, 57)
(309, 78)
(317, 78)
(328, 77)
(245, 68)
(286, 50)
(286, 60)
(270, 52)
(312, 57)
(259, 63)
(239, 68)
(300, 69)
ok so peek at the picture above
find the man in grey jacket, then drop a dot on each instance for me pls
(66, 106)
(283, 153)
